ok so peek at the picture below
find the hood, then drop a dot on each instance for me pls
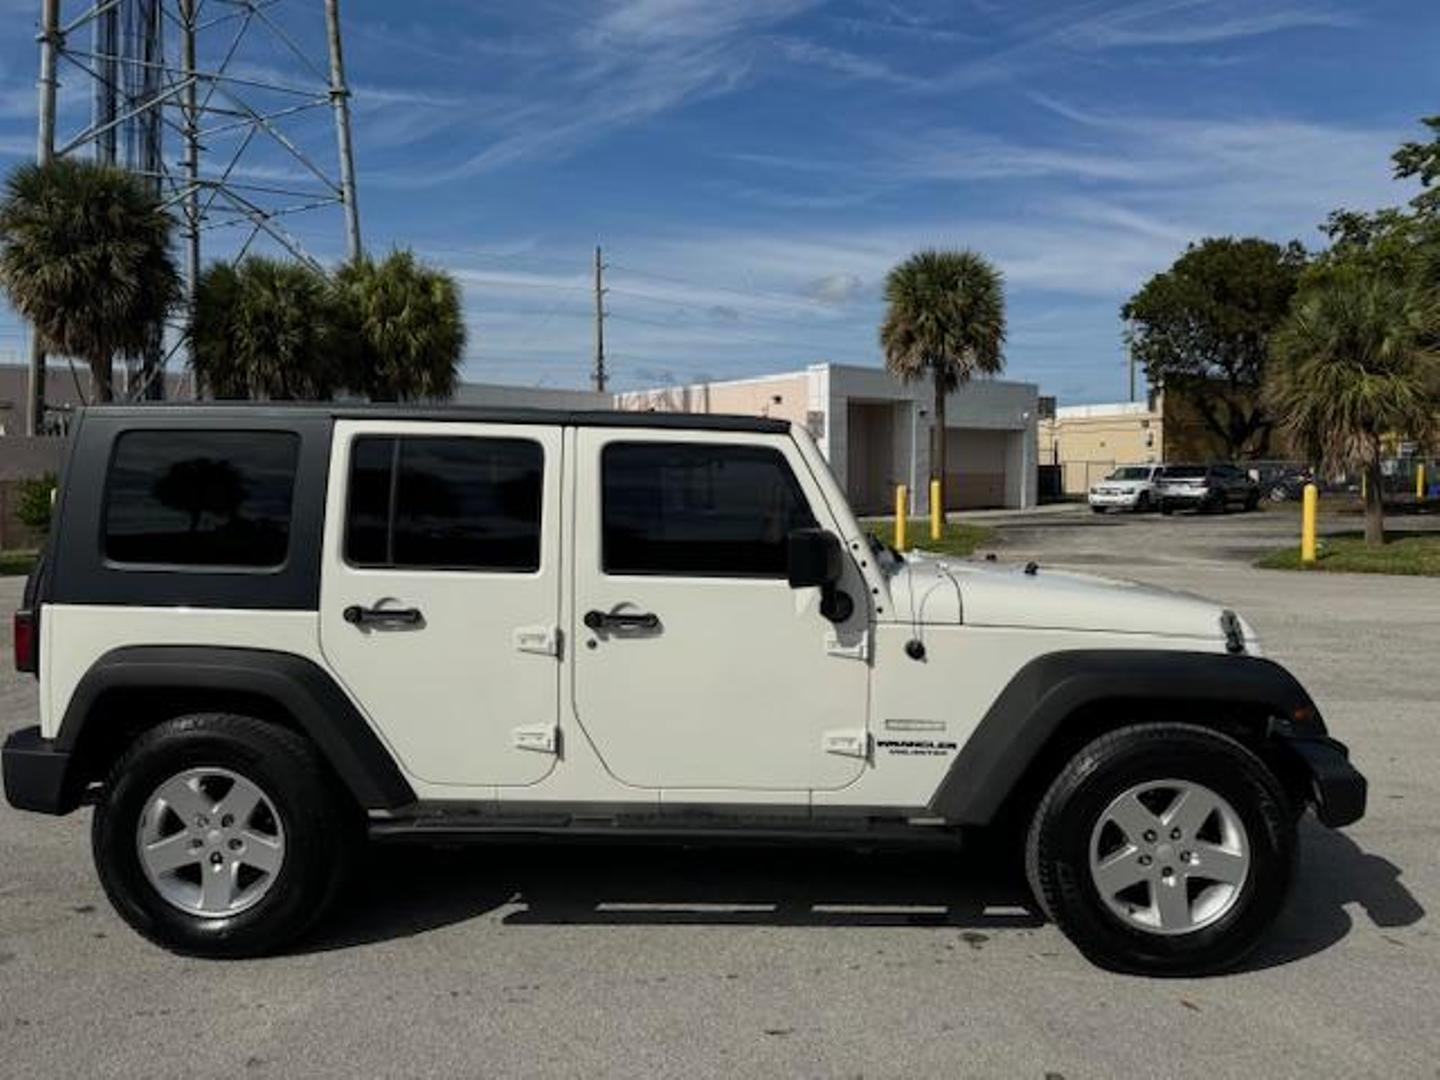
(993, 594)
(1124, 485)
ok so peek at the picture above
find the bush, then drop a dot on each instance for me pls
(36, 495)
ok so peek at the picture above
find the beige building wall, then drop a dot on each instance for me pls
(1088, 441)
(785, 397)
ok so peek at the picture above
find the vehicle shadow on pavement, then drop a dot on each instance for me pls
(402, 891)
(411, 890)
(1334, 872)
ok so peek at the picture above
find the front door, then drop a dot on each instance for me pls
(697, 666)
(441, 593)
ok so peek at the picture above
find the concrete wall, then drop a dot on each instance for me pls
(1008, 409)
(785, 397)
(529, 397)
(1088, 441)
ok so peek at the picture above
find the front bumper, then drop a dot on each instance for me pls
(1105, 498)
(1185, 496)
(36, 774)
(1336, 787)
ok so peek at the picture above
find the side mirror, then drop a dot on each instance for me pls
(816, 557)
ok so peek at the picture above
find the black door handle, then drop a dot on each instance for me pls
(619, 620)
(356, 615)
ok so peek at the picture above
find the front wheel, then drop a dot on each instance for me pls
(1163, 849)
(221, 836)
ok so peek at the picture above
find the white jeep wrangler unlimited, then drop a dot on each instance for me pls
(264, 632)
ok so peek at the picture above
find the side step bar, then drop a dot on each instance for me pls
(462, 827)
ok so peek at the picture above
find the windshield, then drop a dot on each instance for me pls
(1184, 472)
(1134, 472)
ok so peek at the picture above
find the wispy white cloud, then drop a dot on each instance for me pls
(1143, 28)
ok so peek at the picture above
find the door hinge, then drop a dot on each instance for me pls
(858, 649)
(541, 640)
(543, 738)
(854, 744)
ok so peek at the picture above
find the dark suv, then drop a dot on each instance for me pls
(1206, 488)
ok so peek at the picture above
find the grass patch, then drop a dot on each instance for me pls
(956, 538)
(13, 563)
(1416, 554)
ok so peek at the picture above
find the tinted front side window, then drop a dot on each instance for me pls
(698, 509)
(200, 498)
(444, 503)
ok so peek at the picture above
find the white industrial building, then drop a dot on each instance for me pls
(875, 430)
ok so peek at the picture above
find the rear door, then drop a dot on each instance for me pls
(441, 593)
(716, 674)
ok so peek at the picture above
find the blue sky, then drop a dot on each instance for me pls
(753, 167)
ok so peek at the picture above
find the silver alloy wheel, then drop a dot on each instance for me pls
(1169, 856)
(210, 841)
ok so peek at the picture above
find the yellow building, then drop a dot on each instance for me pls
(1087, 442)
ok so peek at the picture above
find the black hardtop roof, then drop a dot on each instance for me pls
(280, 411)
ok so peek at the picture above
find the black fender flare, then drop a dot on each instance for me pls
(1035, 703)
(299, 686)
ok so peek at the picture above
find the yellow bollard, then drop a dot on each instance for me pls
(937, 512)
(902, 504)
(1420, 482)
(1307, 523)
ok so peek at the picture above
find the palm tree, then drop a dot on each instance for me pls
(404, 328)
(85, 257)
(1358, 360)
(944, 320)
(265, 328)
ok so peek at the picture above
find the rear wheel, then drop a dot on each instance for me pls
(1166, 849)
(1097, 509)
(1142, 504)
(221, 835)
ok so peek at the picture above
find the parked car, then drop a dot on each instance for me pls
(1209, 488)
(1130, 487)
(263, 633)
(1281, 481)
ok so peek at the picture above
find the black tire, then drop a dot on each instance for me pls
(1252, 502)
(1166, 509)
(1057, 851)
(1097, 509)
(321, 831)
(1142, 504)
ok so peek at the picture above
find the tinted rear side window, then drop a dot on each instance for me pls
(698, 509)
(200, 498)
(444, 503)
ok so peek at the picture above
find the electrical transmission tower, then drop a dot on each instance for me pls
(220, 107)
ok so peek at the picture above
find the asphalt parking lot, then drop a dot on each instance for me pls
(604, 962)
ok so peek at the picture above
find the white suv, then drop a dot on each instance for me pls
(263, 633)
(1130, 487)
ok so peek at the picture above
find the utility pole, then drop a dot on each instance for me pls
(599, 322)
(340, 102)
(190, 113)
(44, 151)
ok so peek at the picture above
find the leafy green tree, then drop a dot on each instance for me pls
(266, 329)
(1203, 327)
(34, 505)
(1421, 161)
(85, 257)
(403, 327)
(1355, 361)
(944, 321)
